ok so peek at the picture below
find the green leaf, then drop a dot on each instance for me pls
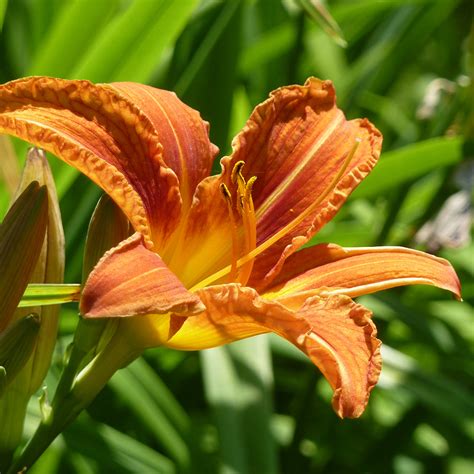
(238, 381)
(221, 386)
(408, 163)
(319, 13)
(161, 394)
(442, 395)
(72, 35)
(17, 343)
(97, 441)
(144, 407)
(46, 294)
(270, 45)
(209, 42)
(3, 8)
(132, 44)
(211, 68)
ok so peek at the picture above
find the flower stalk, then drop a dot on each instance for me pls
(74, 393)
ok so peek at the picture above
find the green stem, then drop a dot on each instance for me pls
(12, 415)
(72, 396)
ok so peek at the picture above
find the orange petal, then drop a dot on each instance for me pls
(329, 269)
(343, 344)
(334, 332)
(103, 135)
(131, 280)
(295, 143)
(181, 131)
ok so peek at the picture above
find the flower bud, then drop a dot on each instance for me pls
(50, 266)
(37, 258)
(21, 238)
(17, 343)
(107, 228)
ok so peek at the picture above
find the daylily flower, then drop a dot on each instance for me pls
(215, 258)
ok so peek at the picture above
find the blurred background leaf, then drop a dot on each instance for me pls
(258, 405)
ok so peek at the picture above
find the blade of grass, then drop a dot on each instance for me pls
(445, 397)
(46, 294)
(212, 71)
(221, 386)
(144, 407)
(114, 451)
(160, 393)
(320, 14)
(270, 45)
(252, 359)
(238, 380)
(218, 28)
(141, 63)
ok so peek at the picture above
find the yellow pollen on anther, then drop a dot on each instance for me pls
(250, 256)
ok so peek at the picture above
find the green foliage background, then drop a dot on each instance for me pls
(258, 406)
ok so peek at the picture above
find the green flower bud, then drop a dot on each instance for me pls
(21, 239)
(17, 344)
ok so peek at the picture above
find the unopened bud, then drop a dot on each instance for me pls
(50, 265)
(21, 239)
(17, 344)
(107, 228)
(47, 266)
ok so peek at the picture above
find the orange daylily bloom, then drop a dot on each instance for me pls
(216, 258)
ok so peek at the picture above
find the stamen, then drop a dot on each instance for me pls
(250, 230)
(238, 178)
(237, 171)
(248, 188)
(250, 256)
(235, 243)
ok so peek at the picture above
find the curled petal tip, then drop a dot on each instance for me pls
(343, 344)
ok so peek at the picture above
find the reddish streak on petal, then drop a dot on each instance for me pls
(131, 280)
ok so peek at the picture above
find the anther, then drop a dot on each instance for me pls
(237, 171)
(225, 192)
(248, 188)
